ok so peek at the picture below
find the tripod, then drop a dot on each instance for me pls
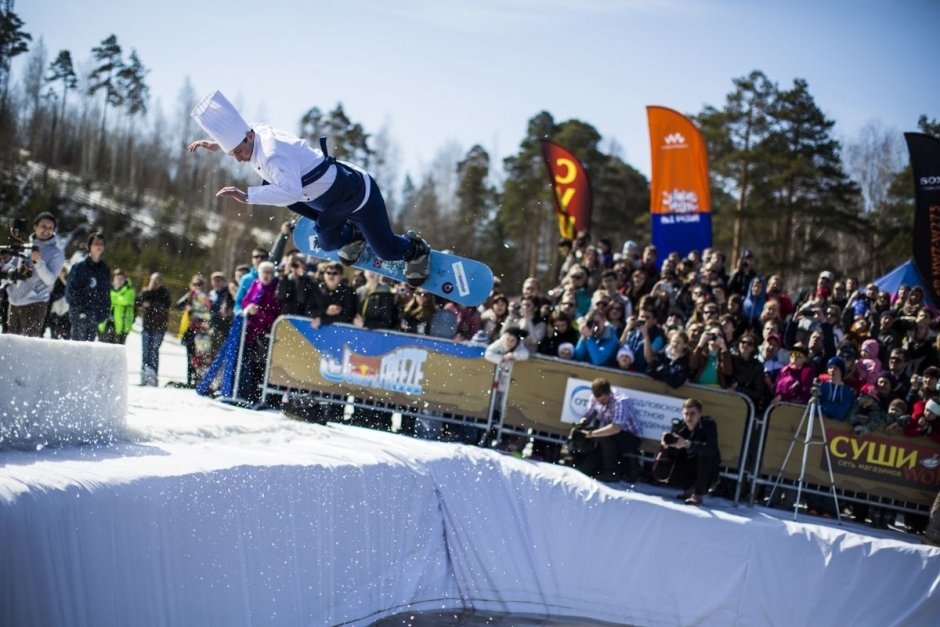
(811, 417)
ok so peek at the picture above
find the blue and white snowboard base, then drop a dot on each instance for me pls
(464, 281)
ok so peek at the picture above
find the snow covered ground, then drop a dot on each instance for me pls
(205, 514)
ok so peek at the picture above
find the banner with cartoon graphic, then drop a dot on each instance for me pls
(572, 189)
(440, 376)
(680, 202)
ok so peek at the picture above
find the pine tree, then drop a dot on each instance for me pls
(104, 77)
(13, 42)
(347, 140)
(812, 196)
(475, 200)
(735, 136)
(527, 204)
(60, 71)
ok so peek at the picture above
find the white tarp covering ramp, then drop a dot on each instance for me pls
(218, 516)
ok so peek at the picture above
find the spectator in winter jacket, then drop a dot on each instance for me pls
(672, 365)
(598, 344)
(867, 415)
(115, 329)
(88, 292)
(747, 372)
(560, 331)
(221, 311)
(869, 365)
(333, 301)
(195, 335)
(29, 296)
(795, 381)
(153, 304)
(295, 289)
(835, 397)
(261, 308)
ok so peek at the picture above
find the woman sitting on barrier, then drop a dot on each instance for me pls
(504, 352)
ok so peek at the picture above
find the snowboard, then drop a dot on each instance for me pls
(466, 282)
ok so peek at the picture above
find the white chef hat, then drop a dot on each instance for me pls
(217, 117)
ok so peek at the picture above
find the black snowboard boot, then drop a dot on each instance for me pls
(418, 265)
(350, 251)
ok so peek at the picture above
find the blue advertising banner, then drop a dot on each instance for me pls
(389, 367)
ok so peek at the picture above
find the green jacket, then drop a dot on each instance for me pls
(122, 309)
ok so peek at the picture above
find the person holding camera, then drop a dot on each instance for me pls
(691, 447)
(611, 420)
(35, 274)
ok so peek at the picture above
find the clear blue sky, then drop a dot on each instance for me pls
(475, 71)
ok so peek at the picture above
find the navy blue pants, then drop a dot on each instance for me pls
(333, 214)
(84, 329)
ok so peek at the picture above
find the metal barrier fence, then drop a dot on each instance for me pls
(450, 382)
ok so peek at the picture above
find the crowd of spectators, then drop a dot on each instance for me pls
(876, 355)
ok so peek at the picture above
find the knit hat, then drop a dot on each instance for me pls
(848, 351)
(565, 346)
(887, 374)
(838, 362)
(933, 407)
(870, 390)
(626, 350)
(217, 117)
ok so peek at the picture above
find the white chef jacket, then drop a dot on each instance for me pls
(282, 159)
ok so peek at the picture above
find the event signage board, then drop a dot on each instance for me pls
(879, 464)
(392, 368)
(548, 395)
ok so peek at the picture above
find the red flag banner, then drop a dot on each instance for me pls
(680, 205)
(572, 189)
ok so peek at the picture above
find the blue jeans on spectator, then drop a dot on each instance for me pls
(151, 349)
(84, 329)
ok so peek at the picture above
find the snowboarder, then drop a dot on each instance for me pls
(343, 200)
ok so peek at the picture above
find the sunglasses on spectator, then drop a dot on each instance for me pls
(296, 265)
(197, 283)
(747, 343)
(331, 273)
(259, 256)
(578, 276)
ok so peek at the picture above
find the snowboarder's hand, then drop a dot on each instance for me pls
(232, 192)
(206, 144)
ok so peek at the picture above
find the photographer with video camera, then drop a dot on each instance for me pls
(610, 422)
(689, 457)
(30, 275)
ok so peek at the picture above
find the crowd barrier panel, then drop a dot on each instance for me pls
(450, 381)
(886, 470)
(414, 375)
(548, 395)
